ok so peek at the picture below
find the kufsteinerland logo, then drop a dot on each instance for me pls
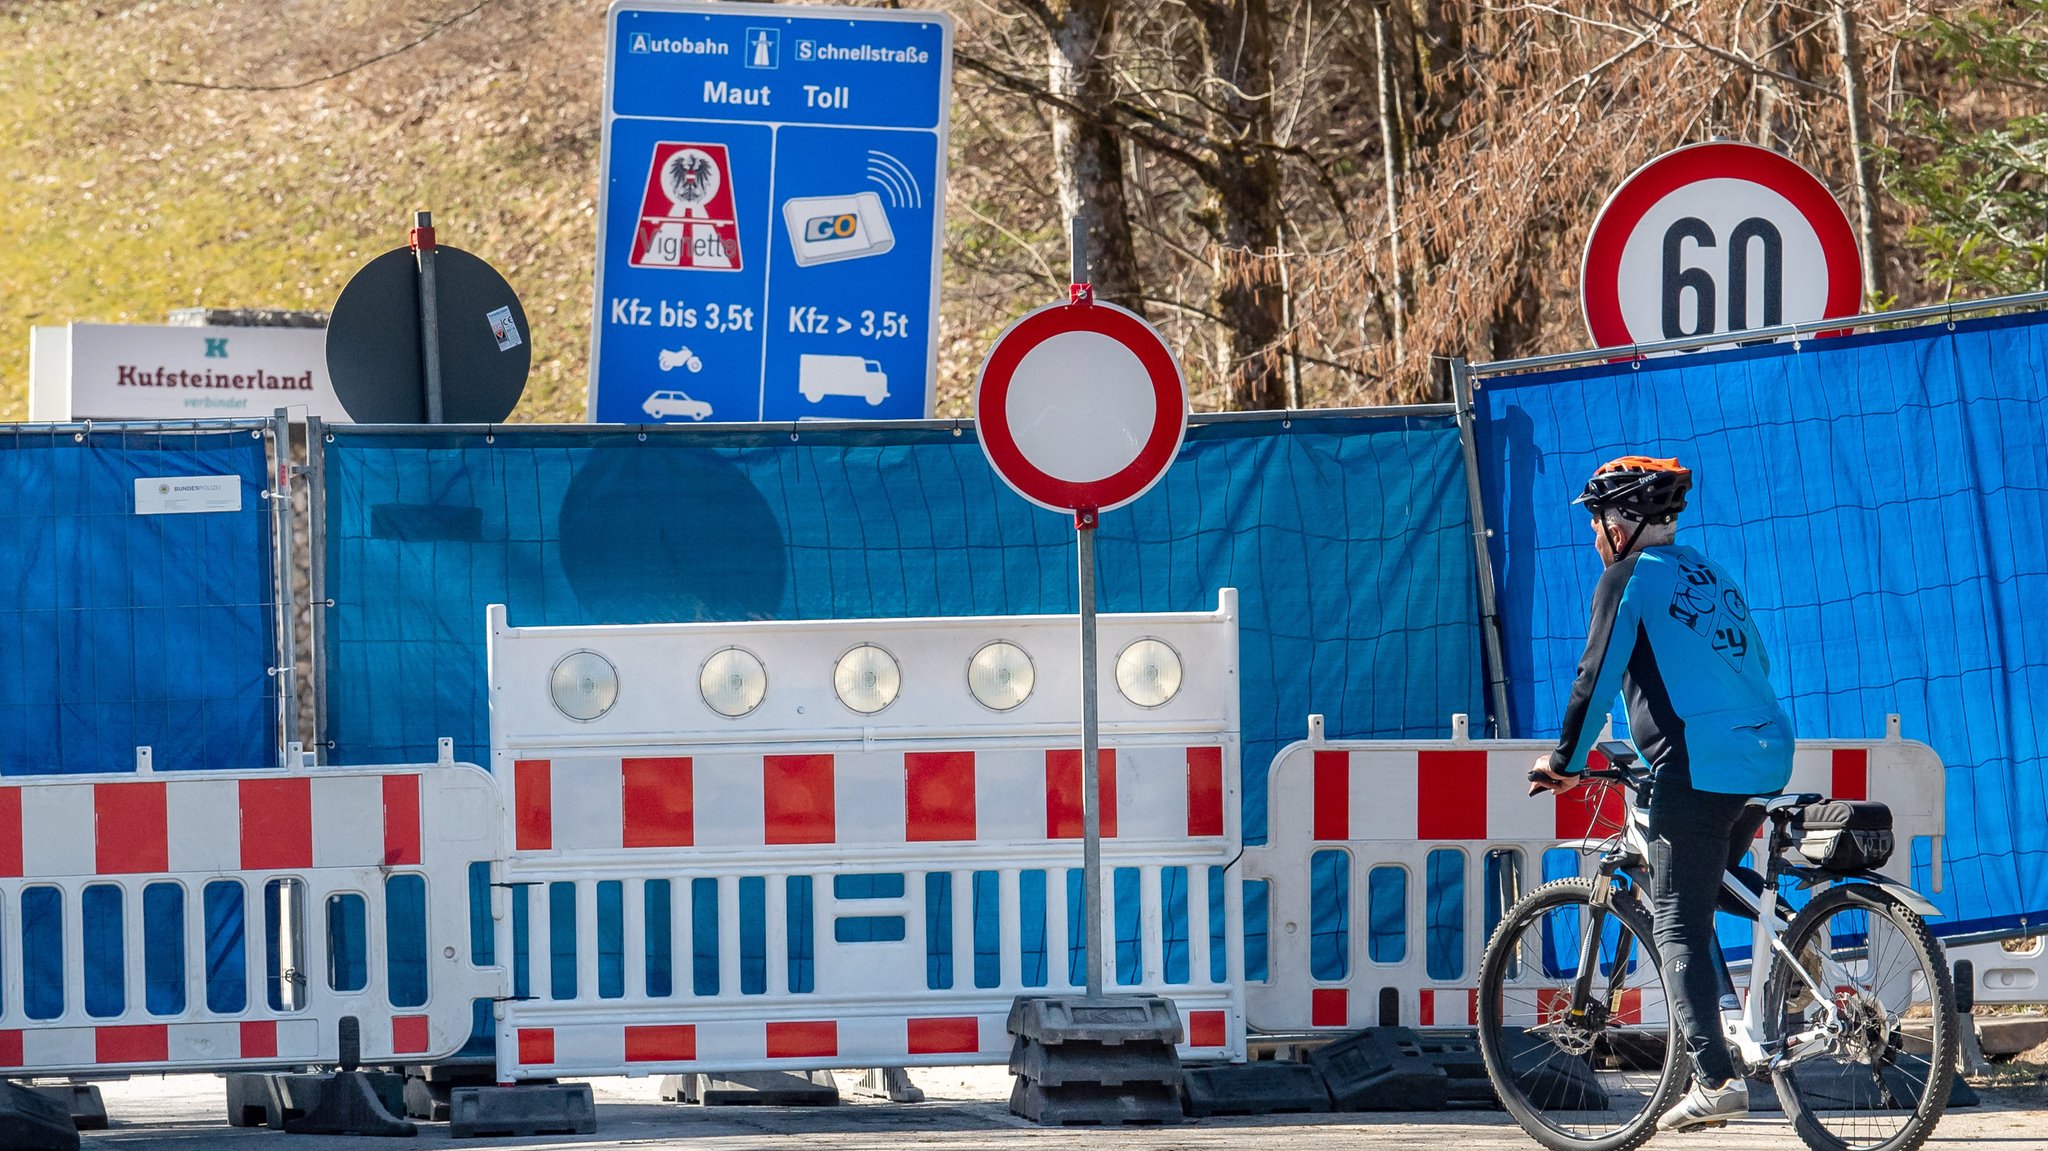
(216, 347)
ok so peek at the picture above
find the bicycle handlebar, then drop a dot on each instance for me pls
(1609, 774)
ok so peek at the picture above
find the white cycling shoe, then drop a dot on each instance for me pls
(1704, 1106)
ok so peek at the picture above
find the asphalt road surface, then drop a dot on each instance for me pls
(966, 1110)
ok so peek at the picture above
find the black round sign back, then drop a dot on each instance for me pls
(373, 341)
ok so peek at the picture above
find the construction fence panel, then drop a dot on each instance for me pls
(1878, 496)
(1348, 536)
(137, 601)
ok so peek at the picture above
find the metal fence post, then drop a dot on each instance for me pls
(287, 608)
(316, 570)
(1489, 611)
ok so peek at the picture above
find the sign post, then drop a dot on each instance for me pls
(770, 213)
(1081, 408)
(1717, 237)
(1079, 289)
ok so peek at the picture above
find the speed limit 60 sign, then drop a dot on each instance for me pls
(1717, 237)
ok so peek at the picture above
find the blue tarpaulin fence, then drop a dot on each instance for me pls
(120, 630)
(1347, 537)
(1881, 498)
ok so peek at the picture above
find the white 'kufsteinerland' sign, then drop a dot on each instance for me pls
(164, 372)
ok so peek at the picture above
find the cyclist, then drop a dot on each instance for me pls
(1671, 629)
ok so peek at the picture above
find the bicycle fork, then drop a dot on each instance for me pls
(1579, 1012)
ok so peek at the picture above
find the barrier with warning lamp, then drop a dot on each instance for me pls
(781, 881)
(214, 921)
(1389, 864)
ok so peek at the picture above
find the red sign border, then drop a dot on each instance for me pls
(992, 389)
(1717, 159)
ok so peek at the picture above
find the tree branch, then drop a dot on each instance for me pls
(1149, 135)
(431, 32)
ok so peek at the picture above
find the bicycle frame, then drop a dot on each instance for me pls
(1628, 853)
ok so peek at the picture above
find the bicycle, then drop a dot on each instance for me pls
(1584, 1055)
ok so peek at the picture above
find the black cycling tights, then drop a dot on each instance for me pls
(1694, 837)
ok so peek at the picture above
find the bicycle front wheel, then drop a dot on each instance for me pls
(1573, 1022)
(1865, 1024)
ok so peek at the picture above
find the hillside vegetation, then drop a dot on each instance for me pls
(1315, 200)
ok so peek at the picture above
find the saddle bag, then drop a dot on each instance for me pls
(1843, 834)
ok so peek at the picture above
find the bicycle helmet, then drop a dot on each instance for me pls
(1647, 490)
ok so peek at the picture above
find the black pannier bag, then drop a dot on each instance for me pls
(1844, 834)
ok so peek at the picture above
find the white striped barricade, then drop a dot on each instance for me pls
(213, 921)
(813, 844)
(1388, 864)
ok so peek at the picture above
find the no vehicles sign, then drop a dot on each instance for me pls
(768, 241)
(1717, 237)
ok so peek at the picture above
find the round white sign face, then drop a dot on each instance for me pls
(1076, 434)
(1719, 237)
(1080, 407)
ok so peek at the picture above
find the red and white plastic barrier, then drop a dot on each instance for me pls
(807, 886)
(1441, 822)
(202, 920)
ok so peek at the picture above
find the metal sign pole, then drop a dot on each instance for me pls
(430, 316)
(1079, 294)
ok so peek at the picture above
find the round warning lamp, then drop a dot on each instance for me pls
(1148, 672)
(1000, 675)
(733, 682)
(584, 685)
(867, 679)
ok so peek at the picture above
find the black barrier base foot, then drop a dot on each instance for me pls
(1076, 1104)
(759, 1089)
(1456, 1052)
(31, 1122)
(82, 1100)
(1382, 1069)
(1265, 1088)
(1112, 1019)
(891, 1083)
(1108, 1060)
(531, 1109)
(1083, 1061)
(275, 1100)
(350, 1104)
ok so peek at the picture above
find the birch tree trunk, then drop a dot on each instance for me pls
(1869, 218)
(1088, 157)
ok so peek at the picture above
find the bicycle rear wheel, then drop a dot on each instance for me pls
(1580, 1070)
(1866, 1084)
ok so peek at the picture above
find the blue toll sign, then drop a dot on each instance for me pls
(768, 235)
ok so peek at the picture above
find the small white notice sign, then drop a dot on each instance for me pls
(504, 328)
(179, 495)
